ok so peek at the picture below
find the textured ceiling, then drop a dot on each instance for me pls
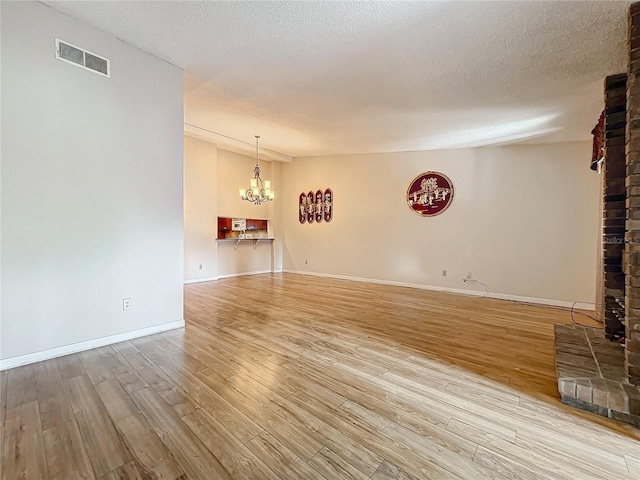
(352, 77)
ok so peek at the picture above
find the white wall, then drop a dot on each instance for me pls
(235, 171)
(277, 225)
(91, 189)
(200, 209)
(243, 259)
(212, 179)
(524, 219)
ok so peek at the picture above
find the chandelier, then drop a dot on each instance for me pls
(259, 191)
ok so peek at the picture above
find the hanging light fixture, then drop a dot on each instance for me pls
(259, 191)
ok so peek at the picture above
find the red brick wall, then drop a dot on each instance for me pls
(632, 246)
(614, 209)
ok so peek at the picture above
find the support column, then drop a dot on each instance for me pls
(614, 209)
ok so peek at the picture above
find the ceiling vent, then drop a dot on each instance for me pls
(81, 58)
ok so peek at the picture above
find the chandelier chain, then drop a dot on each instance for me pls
(259, 191)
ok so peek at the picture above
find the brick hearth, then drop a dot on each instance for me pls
(592, 376)
(594, 373)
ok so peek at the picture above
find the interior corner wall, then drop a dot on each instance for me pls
(524, 220)
(276, 216)
(234, 171)
(92, 208)
(200, 210)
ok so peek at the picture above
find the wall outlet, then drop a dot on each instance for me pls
(444, 273)
(200, 267)
(127, 304)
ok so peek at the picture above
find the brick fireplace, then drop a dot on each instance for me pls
(632, 245)
(614, 207)
(594, 372)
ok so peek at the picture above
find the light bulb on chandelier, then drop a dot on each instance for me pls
(259, 191)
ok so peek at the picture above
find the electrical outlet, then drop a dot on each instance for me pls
(127, 304)
(444, 273)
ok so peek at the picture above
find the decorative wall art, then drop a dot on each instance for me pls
(598, 132)
(311, 208)
(319, 207)
(429, 194)
(302, 208)
(328, 205)
(315, 207)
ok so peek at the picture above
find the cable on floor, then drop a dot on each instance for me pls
(571, 309)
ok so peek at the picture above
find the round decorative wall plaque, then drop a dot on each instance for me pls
(429, 194)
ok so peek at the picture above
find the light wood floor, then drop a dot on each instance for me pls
(292, 377)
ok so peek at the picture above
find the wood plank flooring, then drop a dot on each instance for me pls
(292, 377)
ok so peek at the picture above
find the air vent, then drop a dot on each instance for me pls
(77, 56)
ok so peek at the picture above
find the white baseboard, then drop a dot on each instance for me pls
(88, 345)
(457, 291)
(230, 275)
(198, 280)
(242, 274)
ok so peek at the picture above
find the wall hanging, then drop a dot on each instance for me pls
(315, 207)
(429, 194)
(311, 208)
